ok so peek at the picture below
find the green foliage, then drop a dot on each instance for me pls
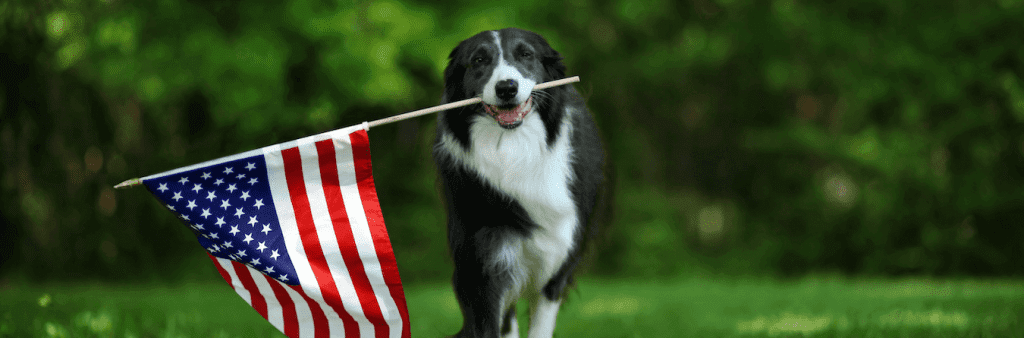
(747, 137)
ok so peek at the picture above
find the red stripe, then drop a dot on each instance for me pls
(291, 326)
(291, 321)
(320, 328)
(346, 239)
(255, 297)
(368, 195)
(223, 273)
(311, 241)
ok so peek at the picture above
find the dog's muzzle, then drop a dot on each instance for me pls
(510, 117)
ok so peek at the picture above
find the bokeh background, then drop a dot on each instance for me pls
(778, 138)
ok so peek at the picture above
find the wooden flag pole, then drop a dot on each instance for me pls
(465, 102)
(128, 183)
(138, 181)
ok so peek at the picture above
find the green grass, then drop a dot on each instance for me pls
(600, 308)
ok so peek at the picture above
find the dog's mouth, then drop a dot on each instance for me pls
(510, 116)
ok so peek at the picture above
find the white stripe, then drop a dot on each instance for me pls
(303, 314)
(286, 218)
(293, 242)
(235, 282)
(274, 314)
(328, 239)
(275, 310)
(364, 239)
(497, 42)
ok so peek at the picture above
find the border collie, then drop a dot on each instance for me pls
(520, 175)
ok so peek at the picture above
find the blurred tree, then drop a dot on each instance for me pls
(748, 137)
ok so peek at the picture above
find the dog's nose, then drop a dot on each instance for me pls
(506, 89)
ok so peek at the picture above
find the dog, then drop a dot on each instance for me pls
(520, 175)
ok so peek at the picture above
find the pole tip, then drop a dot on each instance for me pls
(129, 183)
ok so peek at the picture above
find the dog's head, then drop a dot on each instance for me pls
(501, 67)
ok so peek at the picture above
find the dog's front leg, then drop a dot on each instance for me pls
(509, 325)
(543, 313)
(484, 287)
(480, 303)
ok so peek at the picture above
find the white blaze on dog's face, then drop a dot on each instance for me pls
(503, 68)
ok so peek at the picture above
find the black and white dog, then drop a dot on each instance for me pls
(520, 175)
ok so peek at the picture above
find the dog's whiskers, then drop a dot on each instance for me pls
(541, 97)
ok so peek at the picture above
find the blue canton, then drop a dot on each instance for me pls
(230, 209)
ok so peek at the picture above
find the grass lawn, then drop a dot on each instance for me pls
(600, 308)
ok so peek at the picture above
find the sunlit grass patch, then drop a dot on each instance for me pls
(619, 306)
(897, 320)
(95, 322)
(789, 323)
(935, 318)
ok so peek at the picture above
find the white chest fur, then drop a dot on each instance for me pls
(519, 163)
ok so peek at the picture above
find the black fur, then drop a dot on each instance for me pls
(481, 217)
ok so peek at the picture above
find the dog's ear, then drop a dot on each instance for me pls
(553, 65)
(453, 75)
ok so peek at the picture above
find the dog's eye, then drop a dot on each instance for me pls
(478, 60)
(525, 54)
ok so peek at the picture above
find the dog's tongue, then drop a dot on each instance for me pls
(509, 116)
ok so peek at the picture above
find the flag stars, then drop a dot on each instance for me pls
(260, 247)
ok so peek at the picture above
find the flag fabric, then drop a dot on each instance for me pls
(297, 231)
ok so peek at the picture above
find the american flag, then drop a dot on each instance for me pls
(296, 229)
